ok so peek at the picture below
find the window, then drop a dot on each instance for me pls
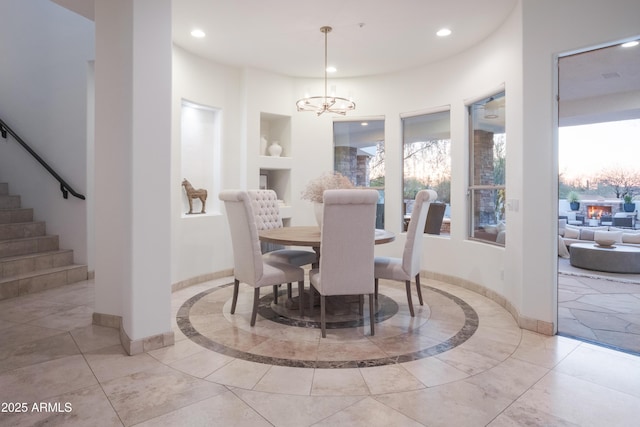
(427, 161)
(487, 169)
(359, 155)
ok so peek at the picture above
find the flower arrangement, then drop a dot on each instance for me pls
(327, 181)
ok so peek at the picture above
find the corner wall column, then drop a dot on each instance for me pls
(132, 170)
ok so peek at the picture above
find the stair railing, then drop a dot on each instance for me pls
(64, 187)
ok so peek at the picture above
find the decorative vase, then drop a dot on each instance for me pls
(629, 207)
(318, 210)
(263, 146)
(275, 149)
(574, 206)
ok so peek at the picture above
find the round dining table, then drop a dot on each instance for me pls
(310, 236)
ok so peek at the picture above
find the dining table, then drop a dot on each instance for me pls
(309, 236)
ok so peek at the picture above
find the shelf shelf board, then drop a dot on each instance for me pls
(271, 162)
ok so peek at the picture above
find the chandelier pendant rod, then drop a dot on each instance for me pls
(322, 104)
(325, 30)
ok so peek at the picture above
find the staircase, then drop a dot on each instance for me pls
(30, 260)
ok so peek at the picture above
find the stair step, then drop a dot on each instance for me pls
(23, 264)
(9, 216)
(28, 245)
(41, 280)
(9, 202)
(19, 230)
(4, 188)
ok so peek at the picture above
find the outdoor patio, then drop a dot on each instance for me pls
(599, 307)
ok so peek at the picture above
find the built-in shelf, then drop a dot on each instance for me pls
(270, 162)
(276, 169)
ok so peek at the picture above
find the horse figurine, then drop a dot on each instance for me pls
(192, 193)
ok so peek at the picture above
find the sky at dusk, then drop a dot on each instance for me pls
(585, 150)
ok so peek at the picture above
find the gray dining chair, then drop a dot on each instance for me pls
(347, 248)
(267, 216)
(249, 265)
(408, 267)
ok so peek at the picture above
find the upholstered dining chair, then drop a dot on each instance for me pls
(249, 265)
(346, 248)
(267, 216)
(408, 267)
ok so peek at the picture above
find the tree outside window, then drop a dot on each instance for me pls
(427, 160)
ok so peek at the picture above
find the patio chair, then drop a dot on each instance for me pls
(624, 222)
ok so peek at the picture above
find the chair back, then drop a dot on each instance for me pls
(247, 256)
(265, 208)
(435, 216)
(347, 242)
(413, 245)
(267, 215)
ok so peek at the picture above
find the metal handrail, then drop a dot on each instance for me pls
(64, 187)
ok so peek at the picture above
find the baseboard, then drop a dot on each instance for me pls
(201, 279)
(535, 325)
(133, 347)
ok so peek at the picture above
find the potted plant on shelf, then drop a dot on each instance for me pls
(315, 189)
(628, 205)
(573, 199)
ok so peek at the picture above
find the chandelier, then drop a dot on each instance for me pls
(321, 104)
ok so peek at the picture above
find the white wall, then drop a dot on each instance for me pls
(200, 243)
(45, 51)
(551, 28)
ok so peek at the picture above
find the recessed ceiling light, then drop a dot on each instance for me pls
(444, 32)
(331, 69)
(364, 124)
(630, 44)
(197, 33)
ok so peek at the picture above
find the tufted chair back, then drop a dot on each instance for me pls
(265, 209)
(267, 214)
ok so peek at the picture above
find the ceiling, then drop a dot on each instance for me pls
(369, 37)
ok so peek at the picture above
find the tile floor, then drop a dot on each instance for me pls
(498, 376)
(599, 307)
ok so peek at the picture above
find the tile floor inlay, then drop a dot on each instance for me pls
(280, 337)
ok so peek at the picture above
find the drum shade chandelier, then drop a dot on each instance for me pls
(321, 104)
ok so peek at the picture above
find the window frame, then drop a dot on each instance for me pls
(476, 230)
(414, 114)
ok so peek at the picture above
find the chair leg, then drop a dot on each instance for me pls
(311, 296)
(236, 285)
(371, 314)
(256, 299)
(376, 287)
(301, 293)
(408, 286)
(322, 317)
(418, 288)
(289, 294)
(275, 294)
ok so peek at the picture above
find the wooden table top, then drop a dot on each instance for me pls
(309, 236)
